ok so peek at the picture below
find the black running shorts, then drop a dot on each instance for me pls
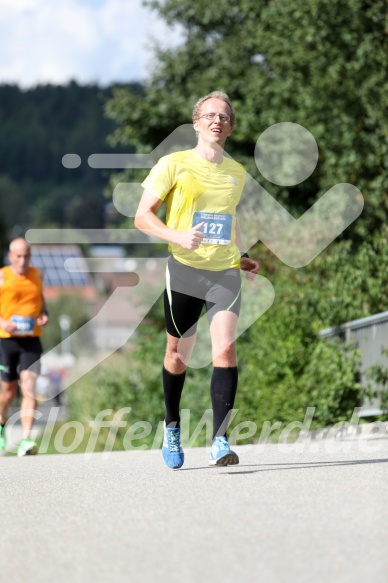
(17, 354)
(188, 290)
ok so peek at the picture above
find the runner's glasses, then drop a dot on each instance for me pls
(223, 117)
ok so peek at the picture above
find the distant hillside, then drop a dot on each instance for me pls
(37, 127)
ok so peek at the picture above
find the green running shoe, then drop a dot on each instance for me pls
(27, 447)
(2, 437)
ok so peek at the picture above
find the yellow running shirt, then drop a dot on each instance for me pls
(21, 297)
(196, 190)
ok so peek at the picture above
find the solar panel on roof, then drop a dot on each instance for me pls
(51, 259)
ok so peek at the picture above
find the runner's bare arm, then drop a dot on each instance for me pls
(147, 221)
(247, 264)
(43, 317)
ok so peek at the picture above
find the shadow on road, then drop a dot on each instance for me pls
(285, 466)
(310, 465)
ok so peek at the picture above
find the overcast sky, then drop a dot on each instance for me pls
(90, 41)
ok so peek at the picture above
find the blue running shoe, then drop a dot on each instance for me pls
(221, 454)
(172, 450)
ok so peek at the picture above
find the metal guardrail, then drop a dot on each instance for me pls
(370, 335)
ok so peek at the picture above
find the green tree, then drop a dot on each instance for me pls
(3, 239)
(38, 127)
(13, 207)
(320, 64)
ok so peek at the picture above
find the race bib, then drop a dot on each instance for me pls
(25, 325)
(217, 227)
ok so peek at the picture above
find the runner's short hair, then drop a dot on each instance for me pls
(217, 95)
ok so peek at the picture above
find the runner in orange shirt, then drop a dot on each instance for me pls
(22, 313)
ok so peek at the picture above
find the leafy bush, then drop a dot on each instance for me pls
(378, 375)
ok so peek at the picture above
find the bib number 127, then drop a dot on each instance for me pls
(217, 227)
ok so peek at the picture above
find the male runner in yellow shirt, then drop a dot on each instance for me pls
(22, 313)
(201, 188)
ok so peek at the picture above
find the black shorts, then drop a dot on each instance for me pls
(17, 354)
(188, 290)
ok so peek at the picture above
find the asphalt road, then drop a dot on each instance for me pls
(317, 515)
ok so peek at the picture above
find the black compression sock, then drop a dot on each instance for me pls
(223, 390)
(173, 386)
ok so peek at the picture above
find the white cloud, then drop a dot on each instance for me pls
(86, 40)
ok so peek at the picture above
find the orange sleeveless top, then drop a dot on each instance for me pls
(21, 296)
